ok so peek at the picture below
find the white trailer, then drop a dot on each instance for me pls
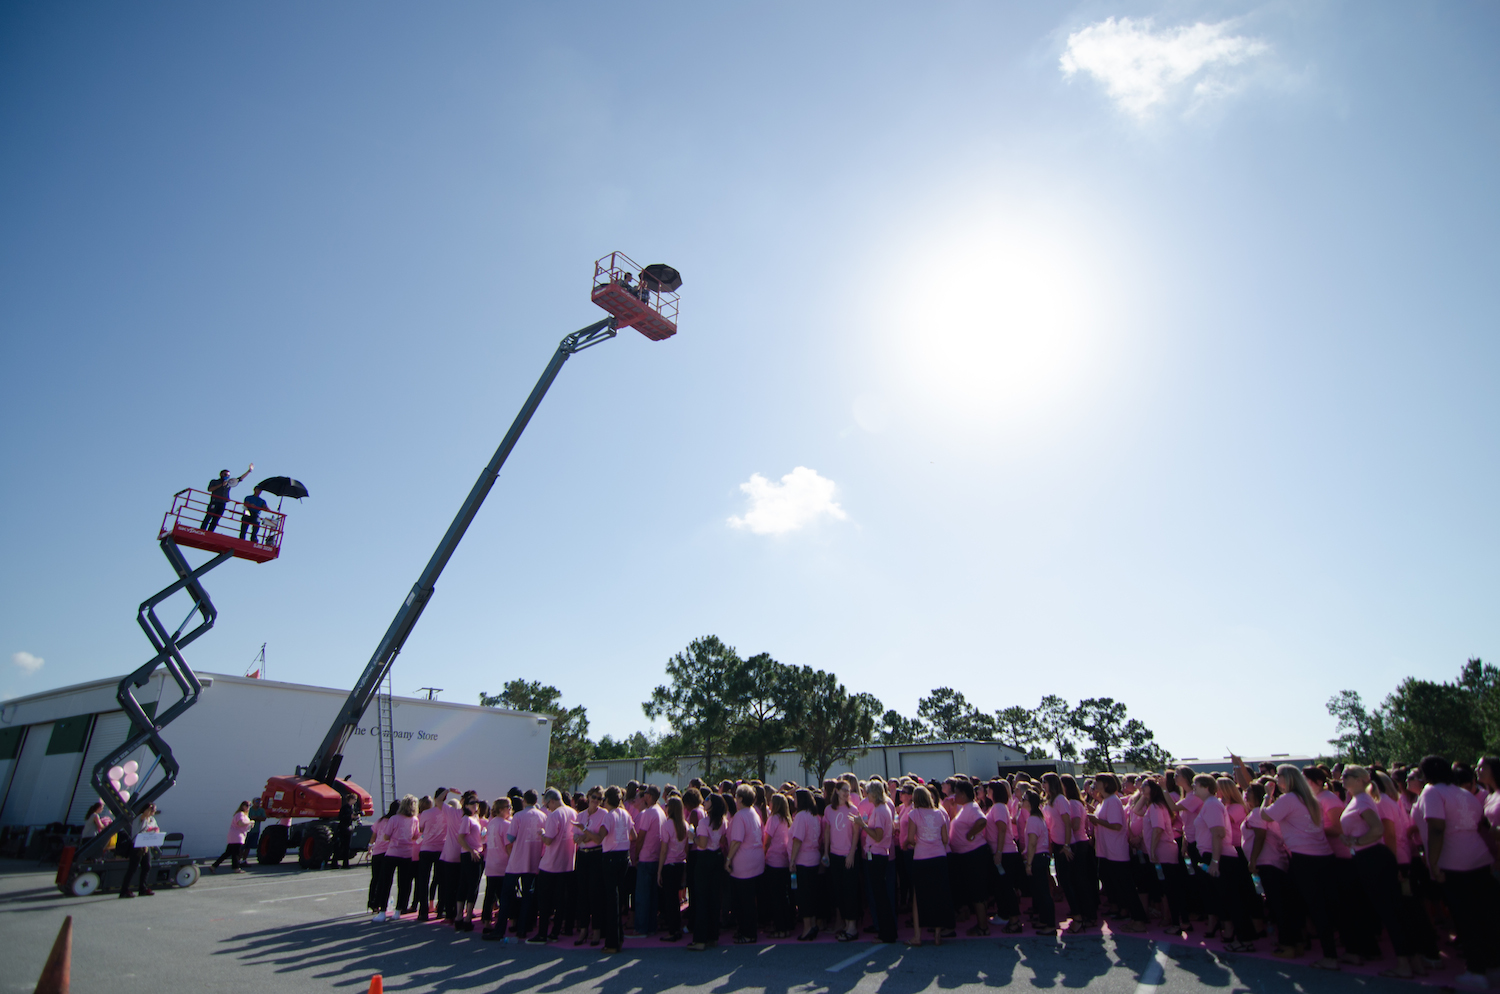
(241, 732)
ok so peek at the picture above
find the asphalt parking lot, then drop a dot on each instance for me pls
(287, 930)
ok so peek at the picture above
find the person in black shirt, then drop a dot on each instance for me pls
(254, 504)
(218, 493)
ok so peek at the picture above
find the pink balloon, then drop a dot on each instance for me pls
(131, 779)
(116, 772)
(132, 766)
(124, 795)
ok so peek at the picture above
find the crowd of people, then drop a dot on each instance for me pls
(1319, 858)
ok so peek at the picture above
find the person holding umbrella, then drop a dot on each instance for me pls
(218, 493)
(250, 520)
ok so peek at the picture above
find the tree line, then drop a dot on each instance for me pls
(734, 712)
(1457, 720)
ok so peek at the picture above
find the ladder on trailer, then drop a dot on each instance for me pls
(386, 745)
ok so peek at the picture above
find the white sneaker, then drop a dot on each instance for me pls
(379, 917)
(1471, 981)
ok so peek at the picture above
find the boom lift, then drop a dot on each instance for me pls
(315, 792)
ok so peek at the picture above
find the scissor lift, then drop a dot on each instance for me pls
(193, 521)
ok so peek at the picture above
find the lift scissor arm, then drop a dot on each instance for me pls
(330, 755)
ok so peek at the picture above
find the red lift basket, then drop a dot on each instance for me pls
(629, 292)
(188, 523)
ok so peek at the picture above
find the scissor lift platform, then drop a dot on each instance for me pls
(189, 523)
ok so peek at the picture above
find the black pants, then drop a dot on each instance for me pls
(1229, 895)
(805, 894)
(1085, 882)
(1063, 866)
(447, 881)
(903, 878)
(1380, 883)
(1119, 884)
(706, 896)
(1174, 885)
(587, 865)
(1357, 922)
(377, 862)
(669, 900)
(215, 510)
(606, 899)
(1010, 873)
(385, 873)
(1316, 881)
(552, 899)
(234, 852)
(743, 891)
(1416, 923)
(406, 872)
(880, 883)
(525, 892)
(1470, 895)
(140, 860)
(1284, 905)
(497, 902)
(251, 523)
(470, 869)
(845, 883)
(425, 863)
(1041, 890)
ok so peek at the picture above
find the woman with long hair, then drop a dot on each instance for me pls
(588, 862)
(239, 826)
(1113, 845)
(380, 841)
(1058, 814)
(746, 860)
(1374, 860)
(971, 860)
(470, 866)
(1165, 856)
(1216, 846)
(494, 918)
(671, 867)
(1448, 817)
(928, 839)
(878, 831)
(1009, 868)
(776, 882)
(1266, 858)
(1311, 863)
(1084, 865)
(709, 842)
(806, 856)
(616, 828)
(1038, 863)
(840, 835)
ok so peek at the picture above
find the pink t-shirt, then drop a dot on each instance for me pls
(1189, 813)
(434, 829)
(470, 831)
(239, 826)
(1272, 851)
(1298, 832)
(967, 817)
(648, 828)
(525, 836)
(750, 857)
(1352, 821)
(841, 830)
(807, 830)
(1492, 810)
(1211, 815)
(1333, 809)
(1080, 811)
(903, 824)
(882, 817)
(1135, 827)
(673, 849)
(1390, 810)
(776, 840)
(495, 856)
(1112, 844)
(380, 841)
(1463, 848)
(1159, 819)
(1057, 815)
(590, 822)
(403, 831)
(453, 824)
(927, 827)
(1036, 835)
(713, 838)
(997, 823)
(617, 823)
(557, 854)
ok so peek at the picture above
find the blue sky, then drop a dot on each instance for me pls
(1130, 350)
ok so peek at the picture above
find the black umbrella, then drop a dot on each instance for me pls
(660, 277)
(283, 486)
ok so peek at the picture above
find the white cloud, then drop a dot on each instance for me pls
(1141, 67)
(799, 499)
(27, 661)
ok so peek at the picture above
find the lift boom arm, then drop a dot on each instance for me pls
(329, 757)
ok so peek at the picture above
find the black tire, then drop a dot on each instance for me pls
(272, 847)
(317, 846)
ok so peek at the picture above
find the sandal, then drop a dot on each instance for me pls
(1046, 930)
(844, 937)
(1011, 928)
(1239, 947)
(743, 940)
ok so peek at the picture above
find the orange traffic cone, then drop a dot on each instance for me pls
(376, 985)
(56, 974)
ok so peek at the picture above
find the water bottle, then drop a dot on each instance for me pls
(1190, 868)
(1000, 869)
(1255, 879)
(794, 880)
(1160, 874)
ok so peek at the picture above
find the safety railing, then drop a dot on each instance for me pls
(201, 521)
(618, 269)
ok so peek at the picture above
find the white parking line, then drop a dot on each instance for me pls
(303, 897)
(1151, 977)
(851, 960)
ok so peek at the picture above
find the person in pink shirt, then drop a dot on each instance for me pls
(234, 851)
(840, 836)
(588, 863)
(776, 838)
(928, 839)
(1009, 865)
(380, 841)
(617, 827)
(448, 860)
(494, 917)
(1222, 863)
(434, 826)
(671, 868)
(709, 842)
(555, 868)
(746, 860)
(648, 825)
(878, 837)
(470, 837)
(525, 839)
(1162, 849)
(404, 832)
(806, 858)
(904, 895)
(1488, 772)
(1266, 858)
(1374, 862)
(972, 861)
(1459, 861)
(1113, 845)
(1084, 865)
(1311, 861)
(1038, 860)
(1058, 814)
